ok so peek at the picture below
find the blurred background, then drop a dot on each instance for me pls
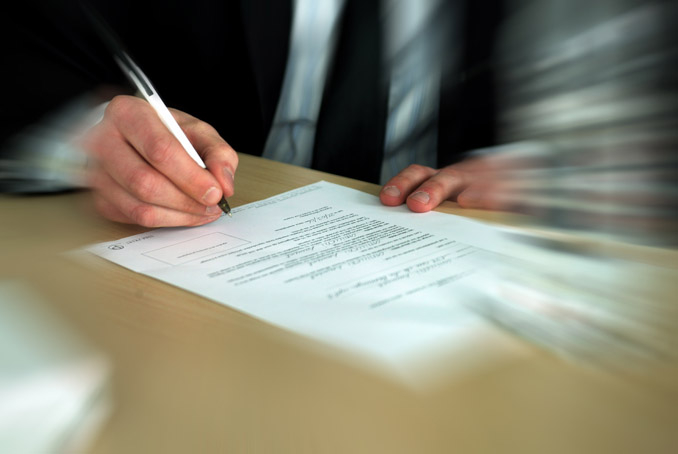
(588, 96)
(587, 134)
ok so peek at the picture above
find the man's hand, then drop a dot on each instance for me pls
(141, 174)
(481, 182)
(628, 196)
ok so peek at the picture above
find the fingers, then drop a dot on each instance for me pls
(141, 127)
(141, 174)
(219, 157)
(133, 174)
(398, 188)
(473, 184)
(424, 188)
(113, 202)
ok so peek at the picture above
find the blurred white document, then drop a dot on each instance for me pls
(409, 291)
(54, 385)
(328, 262)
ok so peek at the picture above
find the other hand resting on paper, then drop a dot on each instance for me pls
(140, 173)
(626, 195)
(484, 182)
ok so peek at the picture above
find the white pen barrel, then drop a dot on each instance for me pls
(169, 121)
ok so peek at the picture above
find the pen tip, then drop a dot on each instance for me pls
(223, 204)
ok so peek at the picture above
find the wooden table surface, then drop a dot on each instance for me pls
(191, 375)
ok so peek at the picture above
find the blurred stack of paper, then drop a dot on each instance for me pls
(53, 384)
(582, 304)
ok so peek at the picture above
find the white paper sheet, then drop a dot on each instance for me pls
(328, 262)
(54, 385)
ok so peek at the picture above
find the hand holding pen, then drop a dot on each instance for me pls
(153, 167)
(141, 174)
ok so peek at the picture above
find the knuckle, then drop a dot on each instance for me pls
(223, 153)
(201, 128)
(144, 215)
(412, 175)
(144, 185)
(451, 172)
(159, 148)
(434, 185)
(416, 169)
(118, 106)
(400, 181)
(412, 172)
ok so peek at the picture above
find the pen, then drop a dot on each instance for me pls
(143, 85)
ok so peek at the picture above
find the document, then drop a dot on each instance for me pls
(54, 384)
(330, 263)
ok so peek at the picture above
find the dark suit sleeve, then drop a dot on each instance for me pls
(51, 56)
(209, 58)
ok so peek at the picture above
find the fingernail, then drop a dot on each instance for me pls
(391, 191)
(228, 173)
(421, 197)
(211, 197)
(213, 209)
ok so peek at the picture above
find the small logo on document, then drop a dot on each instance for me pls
(116, 247)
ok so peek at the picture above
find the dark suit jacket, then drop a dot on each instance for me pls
(224, 61)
